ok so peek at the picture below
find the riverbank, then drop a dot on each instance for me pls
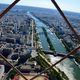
(54, 72)
(67, 66)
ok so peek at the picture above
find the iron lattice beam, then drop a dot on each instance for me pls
(8, 8)
(71, 53)
(12, 66)
(66, 20)
(1, 15)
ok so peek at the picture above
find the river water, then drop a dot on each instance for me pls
(67, 66)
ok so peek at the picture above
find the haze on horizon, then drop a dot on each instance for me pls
(68, 5)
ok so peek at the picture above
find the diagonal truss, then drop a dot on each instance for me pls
(71, 53)
(72, 29)
(13, 66)
(8, 8)
(66, 20)
(1, 15)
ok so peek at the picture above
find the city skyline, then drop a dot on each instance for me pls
(68, 5)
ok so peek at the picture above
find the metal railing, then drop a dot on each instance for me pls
(66, 20)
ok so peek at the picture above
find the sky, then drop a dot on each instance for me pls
(69, 5)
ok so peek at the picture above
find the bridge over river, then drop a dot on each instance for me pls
(67, 66)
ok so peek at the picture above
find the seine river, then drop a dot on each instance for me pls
(67, 66)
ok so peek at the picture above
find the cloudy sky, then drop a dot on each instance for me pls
(69, 5)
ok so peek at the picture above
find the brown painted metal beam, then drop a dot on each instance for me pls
(1, 15)
(66, 20)
(71, 53)
(8, 8)
(13, 67)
